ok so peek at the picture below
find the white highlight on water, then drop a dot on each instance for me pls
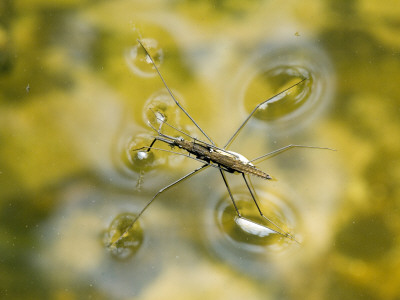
(142, 154)
(253, 228)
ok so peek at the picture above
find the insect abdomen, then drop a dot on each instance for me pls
(249, 169)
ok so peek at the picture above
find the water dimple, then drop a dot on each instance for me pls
(251, 243)
(160, 107)
(161, 111)
(271, 70)
(135, 155)
(253, 230)
(286, 103)
(139, 62)
(132, 238)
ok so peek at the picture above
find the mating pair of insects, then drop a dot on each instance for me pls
(212, 156)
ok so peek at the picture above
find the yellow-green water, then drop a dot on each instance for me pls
(75, 94)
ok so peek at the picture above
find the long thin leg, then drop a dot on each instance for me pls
(281, 231)
(151, 145)
(230, 193)
(280, 150)
(255, 109)
(126, 232)
(172, 95)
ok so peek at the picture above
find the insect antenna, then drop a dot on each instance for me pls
(171, 126)
(172, 95)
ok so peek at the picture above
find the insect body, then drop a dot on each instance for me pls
(229, 161)
(212, 156)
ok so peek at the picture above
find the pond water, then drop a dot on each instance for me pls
(77, 93)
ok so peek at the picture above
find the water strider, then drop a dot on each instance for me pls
(212, 156)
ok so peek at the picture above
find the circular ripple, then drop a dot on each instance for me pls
(161, 112)
(139, 63)
(161, 107)
(249, 244)
(132, 240)
(131, 155)
(271, 70)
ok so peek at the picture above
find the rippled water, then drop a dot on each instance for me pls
(78, 93)
(270, 68)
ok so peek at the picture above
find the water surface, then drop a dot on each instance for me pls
(75, 93)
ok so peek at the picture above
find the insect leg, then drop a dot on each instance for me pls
(281, 231)
(126, 232)
(283, 149)
(172, 95)
(151, 145)
(255, 109)
(230, 193)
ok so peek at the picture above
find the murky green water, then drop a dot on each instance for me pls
(75, 93)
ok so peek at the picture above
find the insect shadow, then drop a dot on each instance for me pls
(212, 156)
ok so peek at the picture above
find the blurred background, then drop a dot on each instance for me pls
(75, 93)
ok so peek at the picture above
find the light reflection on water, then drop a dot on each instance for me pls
(270, 68)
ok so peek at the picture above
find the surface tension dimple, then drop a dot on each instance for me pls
(130, 243)
(139, 62)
